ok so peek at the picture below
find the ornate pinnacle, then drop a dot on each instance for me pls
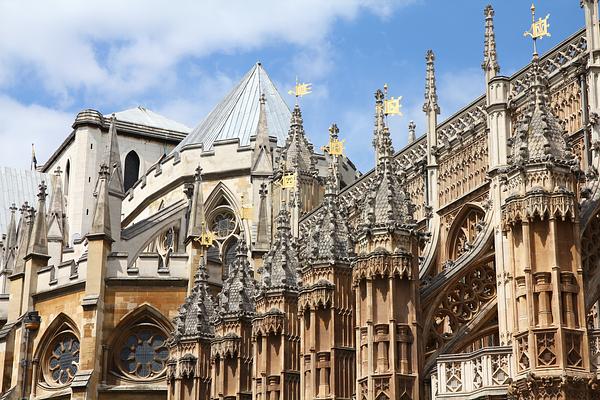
(198, 174)
(262, 99)
(57, 171)
(431, 100)
(411, 131)
(42, 191)
(490, 62)
(263, 190)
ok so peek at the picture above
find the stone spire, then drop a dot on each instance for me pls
(412, 127)
(239, 289)
(113, 158)
(262, 160)
(281, 262)
(24, 233)
(263, 237)
(329, 239)
(197, 215)
(10, 243)
(490, 63)
(195, 316)
(297, 153)
(381, 138)
(57, 223)
(431, 99)
(386, 203)
(539, 135)
(101, 224)
(38, 243)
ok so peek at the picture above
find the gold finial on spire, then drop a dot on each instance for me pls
(538, 28)
(206, 237)
(335, 147)
(300, 89)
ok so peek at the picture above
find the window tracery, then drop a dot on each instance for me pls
(462, 236)
(141, 353)
(62, 361)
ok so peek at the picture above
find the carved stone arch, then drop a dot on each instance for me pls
(58, 353)
(464, 230)
(220, 194)
(138, 346)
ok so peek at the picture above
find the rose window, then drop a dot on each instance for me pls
(144, 354)
(63, 361)
(224, 224)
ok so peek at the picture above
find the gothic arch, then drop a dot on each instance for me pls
(138, 346)
(221, 195)
(464, 230)
(131, 170)
(58, 353)
(67, 177)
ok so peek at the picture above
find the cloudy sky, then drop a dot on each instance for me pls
(179, 58)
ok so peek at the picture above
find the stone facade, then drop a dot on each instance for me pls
(241, 264)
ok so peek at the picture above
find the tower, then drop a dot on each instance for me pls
(189, 369)
(231, 349)
(327, 355)
(540, 219)
(275, 327)
(386, 281)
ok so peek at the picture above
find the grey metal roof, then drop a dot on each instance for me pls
(236, 116)
(18, 186)
(142, 116)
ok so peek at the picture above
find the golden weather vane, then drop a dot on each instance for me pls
(300, 89)
(538, 28)
(392, 105)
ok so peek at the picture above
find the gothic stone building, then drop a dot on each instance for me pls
(233, 261)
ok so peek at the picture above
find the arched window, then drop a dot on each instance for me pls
(131, 172)
(67, 177)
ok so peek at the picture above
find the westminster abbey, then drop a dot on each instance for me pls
(234, 261)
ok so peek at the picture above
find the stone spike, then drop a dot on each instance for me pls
(431, 99)
(24, 233)
(381, 135)
(197, 212)
(101, 218)
(113, 160)
(195, 316)
(38, 244)
(490, 62)
(56, 212)
(11, 232)
(262, 231)
(412, 127)
(239, 289)
(281, 262)
(332, 182)
(297, 154)
(261, 154)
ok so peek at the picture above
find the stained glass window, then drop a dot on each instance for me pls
(144, 354)
(63, 361)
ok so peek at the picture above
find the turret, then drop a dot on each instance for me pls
(432, 110)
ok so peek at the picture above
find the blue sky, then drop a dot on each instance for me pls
(179, 58)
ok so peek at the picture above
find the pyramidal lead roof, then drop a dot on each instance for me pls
(236, 116)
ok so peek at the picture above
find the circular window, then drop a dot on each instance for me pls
(62, 360)
(223, 224)
(143, 353)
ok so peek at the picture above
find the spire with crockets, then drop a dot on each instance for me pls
(490, 62)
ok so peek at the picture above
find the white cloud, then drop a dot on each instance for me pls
(40, 125)
(125, 47)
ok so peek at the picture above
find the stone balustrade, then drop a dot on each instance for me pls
(482, 373)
